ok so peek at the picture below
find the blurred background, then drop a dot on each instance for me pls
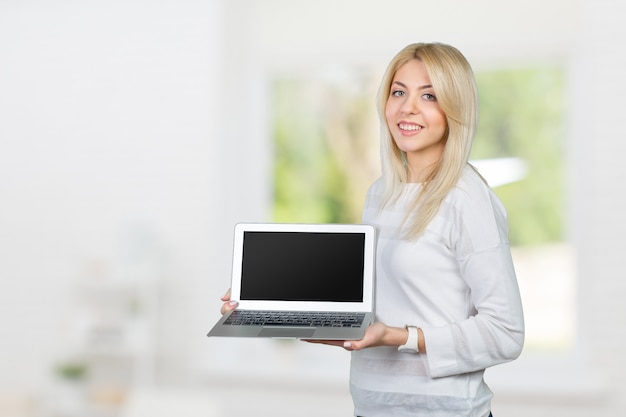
(134, 134)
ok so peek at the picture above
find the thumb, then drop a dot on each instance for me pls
(228, 306)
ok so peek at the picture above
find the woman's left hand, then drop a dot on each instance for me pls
(376, 334)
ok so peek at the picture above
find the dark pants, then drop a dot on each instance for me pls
(490, 415)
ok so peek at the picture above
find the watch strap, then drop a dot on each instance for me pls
(411, 345)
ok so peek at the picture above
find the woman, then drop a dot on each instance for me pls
(447, 301)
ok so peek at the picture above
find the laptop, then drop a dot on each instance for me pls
(301, 281)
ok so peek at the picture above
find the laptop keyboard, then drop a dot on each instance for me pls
(295, 319)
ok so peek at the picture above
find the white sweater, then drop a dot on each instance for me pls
(457, 283)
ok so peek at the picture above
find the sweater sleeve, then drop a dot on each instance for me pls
(494, 332)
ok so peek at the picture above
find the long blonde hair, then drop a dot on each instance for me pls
(453, 81)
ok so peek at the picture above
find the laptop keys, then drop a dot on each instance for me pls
(298, 319)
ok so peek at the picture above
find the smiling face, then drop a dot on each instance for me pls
(416, 122)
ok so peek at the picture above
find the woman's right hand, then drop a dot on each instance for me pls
(228, 304)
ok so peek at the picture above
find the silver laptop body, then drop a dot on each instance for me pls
(303, 281)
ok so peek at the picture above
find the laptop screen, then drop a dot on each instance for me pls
(302, 266)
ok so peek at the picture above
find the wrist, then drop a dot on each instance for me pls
(394, 336)
(421, 343)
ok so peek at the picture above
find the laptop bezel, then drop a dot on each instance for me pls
(368, 267)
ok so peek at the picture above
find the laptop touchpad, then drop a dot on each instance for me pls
(286, 332)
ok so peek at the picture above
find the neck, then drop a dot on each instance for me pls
(421, 165)
(420, 173)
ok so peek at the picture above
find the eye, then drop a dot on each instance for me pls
(397, 93)
(429, 97)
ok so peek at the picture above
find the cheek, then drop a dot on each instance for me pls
(437, 117)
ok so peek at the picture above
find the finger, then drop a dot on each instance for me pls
(226, 297)
(226, 307)
(325, 342)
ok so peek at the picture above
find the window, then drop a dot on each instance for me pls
(326, 135)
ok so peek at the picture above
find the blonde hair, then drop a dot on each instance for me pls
(454, 85)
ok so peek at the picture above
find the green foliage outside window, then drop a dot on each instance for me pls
(325, 151)
(521, 115)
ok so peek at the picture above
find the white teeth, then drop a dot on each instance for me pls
(409, 127)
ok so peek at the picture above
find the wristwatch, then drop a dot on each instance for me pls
(411, 342)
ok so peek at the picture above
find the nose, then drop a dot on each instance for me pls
(410, 106)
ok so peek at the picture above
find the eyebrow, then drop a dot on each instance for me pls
(422, 87)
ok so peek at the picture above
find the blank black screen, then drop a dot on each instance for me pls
(303, 266)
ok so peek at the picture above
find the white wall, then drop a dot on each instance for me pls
(109, 137)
